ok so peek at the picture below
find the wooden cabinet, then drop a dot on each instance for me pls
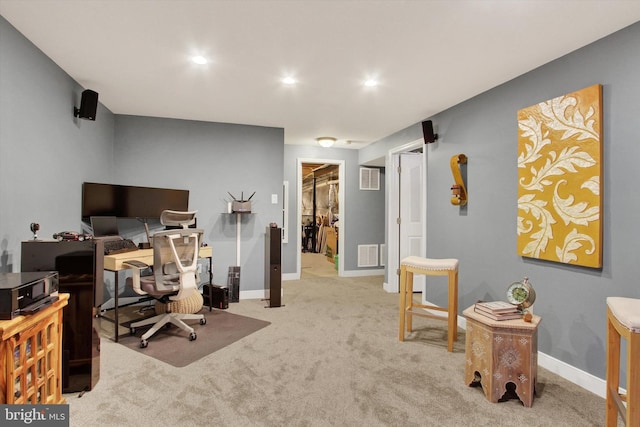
(500, 353)
(31, 357)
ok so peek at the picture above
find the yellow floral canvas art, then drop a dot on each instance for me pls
(559, 179)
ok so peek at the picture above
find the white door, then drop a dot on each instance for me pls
(412, 216)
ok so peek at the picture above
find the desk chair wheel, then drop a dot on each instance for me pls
(203, 321)
(144, 343)
(192, 336)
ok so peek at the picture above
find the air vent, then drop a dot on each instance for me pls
(383, 253)
(367, 255)
(369, 179)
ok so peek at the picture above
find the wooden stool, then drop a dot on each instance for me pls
(430, 267)
(623, 320)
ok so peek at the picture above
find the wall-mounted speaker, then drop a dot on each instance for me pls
(427, 131)
(88, 105)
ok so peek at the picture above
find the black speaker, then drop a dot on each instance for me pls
(427, 131)
(273, 270)
(88, 105)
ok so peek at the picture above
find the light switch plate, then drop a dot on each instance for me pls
(274, 199)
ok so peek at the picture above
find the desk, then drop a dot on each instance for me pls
(115, 263)
(499, 352)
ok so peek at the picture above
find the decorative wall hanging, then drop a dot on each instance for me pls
(559, 179)
(458, 190)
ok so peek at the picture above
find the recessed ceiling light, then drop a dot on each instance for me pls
(200, 60)
(371, 83)
(289, 80)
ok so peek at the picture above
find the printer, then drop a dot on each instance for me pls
(26, 292)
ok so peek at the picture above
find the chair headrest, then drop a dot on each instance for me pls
(178, 218)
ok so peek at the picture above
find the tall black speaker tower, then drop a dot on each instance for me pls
(273, 271)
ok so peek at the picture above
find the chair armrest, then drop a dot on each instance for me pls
(137, 267)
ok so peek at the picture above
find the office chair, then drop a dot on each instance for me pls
(175, 264)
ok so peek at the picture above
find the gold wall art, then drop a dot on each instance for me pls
(559, 179)
(459, 191)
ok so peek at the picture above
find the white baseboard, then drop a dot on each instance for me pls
(363, 273)
(254, 294)
(258, 294)
(349, 273)
(570, 373)
(392, 289)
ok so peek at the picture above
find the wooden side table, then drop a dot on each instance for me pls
(31, 357)
(501, 352)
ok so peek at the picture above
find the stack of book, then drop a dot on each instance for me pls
(498, 310)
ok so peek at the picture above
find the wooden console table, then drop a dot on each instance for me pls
(501, 352)
(31, 357)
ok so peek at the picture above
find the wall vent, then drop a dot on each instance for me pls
(383, 254)
(369, 179)
(367, 255)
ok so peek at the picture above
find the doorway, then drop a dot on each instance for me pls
(406, 226)
(320, 229)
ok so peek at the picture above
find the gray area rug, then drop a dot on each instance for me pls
(171, 345)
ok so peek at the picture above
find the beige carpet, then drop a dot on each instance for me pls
(317, 265)
(331, 357)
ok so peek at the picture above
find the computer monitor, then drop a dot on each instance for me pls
(104, 226)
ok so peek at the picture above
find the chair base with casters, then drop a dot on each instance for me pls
(623, 321)
(430, 267)
(161, 320)
(172, 312)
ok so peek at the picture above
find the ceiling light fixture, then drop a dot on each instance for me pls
(371, 83)
(289, 80)
(200, 60)
(326, 141)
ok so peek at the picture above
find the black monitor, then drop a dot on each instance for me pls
(104, 226)
(127, 201)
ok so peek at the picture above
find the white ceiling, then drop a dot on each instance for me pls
(428, 55)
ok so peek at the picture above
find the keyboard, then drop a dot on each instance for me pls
(119, 246)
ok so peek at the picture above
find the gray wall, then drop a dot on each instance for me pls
(571, 300)
(362, 217)
(45, 152)
(209, 160)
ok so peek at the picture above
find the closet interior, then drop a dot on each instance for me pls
(320, 209)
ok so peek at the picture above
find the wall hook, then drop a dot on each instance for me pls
(459, 192)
